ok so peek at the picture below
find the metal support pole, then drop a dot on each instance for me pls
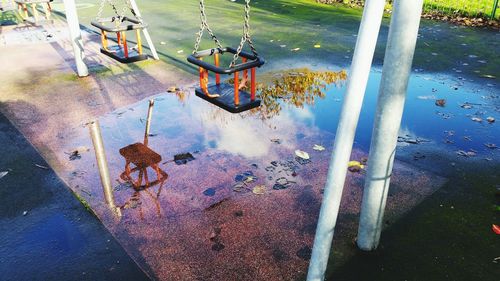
(145, 31)
(102, 164)
(75, 37)
(148, 121)
(396, 71)
(344, 139)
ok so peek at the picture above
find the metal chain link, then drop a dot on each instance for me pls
(204, 26)
(119, 16)
(246, 36)
(129, 5)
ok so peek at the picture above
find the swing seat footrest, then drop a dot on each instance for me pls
(116, 53)
(226, 99)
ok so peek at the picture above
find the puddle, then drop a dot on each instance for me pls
(242, 174)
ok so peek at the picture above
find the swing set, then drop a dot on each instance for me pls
(232, 98)
(120, 24)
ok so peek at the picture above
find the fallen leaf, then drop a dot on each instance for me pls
(25, 213)
(476, 119)
(488, 76)
(317, 46)
(490, 119)
(163, 43)
(496, 229)
(259, 189)
(180, 51)
(173, 89)
(302, 154)
(318, 147)
(3, 174)
(355, 164)
(440, 102)
(295, 49)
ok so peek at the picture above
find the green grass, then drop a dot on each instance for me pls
(463, 7)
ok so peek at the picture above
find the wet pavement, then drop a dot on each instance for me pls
(45, 232)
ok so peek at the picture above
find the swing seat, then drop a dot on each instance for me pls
(117, 52)
(227, 98)
(252, 60)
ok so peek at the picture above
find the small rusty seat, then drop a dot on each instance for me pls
(142, 157)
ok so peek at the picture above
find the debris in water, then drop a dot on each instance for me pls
(304, 253)
(302, 154)
(318, 147)
(491, 145)
(3, 174)
(173, 89)
(466, 106)
(183, 158)
(239, 187)
(209, 192)
(476, 119)
(411, 140)
(75, 155)
(25, 213)
(218, 247)
(488, 76)
(466, 153)
(418, 156)
(440, 102)
(41, 166)
(490, 120)
(278, 186)
(259, 190)
(277, 141)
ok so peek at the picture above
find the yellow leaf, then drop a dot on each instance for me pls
(355, 164)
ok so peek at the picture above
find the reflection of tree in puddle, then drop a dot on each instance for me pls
(295, 88)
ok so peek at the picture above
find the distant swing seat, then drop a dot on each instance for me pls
(230, 97)
(121, 52)
(22, 7)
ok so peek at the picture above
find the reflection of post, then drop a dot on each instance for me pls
(395, 75)
(102, 164)
(344, 138)
(148, 121)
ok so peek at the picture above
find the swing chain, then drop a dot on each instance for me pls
(246, 36)
(119, 16)
(129, 5)
(204, 25)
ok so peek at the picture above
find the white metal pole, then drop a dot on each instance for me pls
(75, 37)
(344, 139)
(145, 31)
(396, 71)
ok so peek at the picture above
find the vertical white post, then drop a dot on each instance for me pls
(395, 75)
(145, 31)
(75, 37)
(344, 139)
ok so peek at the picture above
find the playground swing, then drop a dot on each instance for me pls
(229, 97)
(120, 24)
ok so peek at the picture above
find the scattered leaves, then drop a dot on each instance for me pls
(302, 154)
(318, 147)
(259, 190)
